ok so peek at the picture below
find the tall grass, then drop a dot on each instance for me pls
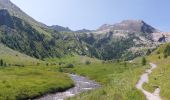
(118, 81)
(160, 77)
(18, 83)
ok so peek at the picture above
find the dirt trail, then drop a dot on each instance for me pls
(144, 79)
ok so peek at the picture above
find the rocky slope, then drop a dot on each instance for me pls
(129, 26)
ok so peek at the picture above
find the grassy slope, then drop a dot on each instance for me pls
(18, 83)
(161, 75)
(75, 59)
(13, 57)
(118, 81)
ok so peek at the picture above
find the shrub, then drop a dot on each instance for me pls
(166, 51)
(148, 52)
(60, 69)
(87, 62)
(1, 62)
(159, 57)
(69, 65)
(165, 55)
(143, 61)
(125, 64)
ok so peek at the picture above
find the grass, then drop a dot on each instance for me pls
(161, 75)
(118, 81)
(13, 57)
(18, 83)
(74, 59)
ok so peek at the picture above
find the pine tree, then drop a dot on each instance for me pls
(1, 62)
(143, 61)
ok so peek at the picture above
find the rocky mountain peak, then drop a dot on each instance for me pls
(129, 26)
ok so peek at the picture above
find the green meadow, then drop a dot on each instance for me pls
(118, 80)
(18, 83)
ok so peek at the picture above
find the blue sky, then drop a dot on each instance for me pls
(91, 14)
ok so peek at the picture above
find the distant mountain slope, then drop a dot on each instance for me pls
(60, 28)
(84, 31)
(126, 40)
(13, 57)
(16, 11)
(22, 36)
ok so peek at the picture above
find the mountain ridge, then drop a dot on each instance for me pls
(129, 26)
(124, 40)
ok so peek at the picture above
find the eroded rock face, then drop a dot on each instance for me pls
(161, 37)
(129, 26)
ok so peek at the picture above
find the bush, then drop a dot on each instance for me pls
(87, 62)
(143, 61)
(1, 62)
(60, 69)
(69, 65)
(166, 51)
(165, 56)
(159, 57)
(148, 52)
(125, 64)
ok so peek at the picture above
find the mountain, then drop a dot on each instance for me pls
(21, 36)
(60, 28)
(125, 40)
(83, 31)
(17, 12)
(67, 29)
(129, 26)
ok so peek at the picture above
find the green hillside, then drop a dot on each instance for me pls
(160, 76)
(13, 57)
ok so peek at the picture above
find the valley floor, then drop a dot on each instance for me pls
(118, 81)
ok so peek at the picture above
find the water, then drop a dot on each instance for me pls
(82, 84)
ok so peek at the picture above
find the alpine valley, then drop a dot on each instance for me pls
(35, 59)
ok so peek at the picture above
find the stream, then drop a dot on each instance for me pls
(82, 84)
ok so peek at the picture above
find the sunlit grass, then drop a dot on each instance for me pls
(18, 83)
(118, 81)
